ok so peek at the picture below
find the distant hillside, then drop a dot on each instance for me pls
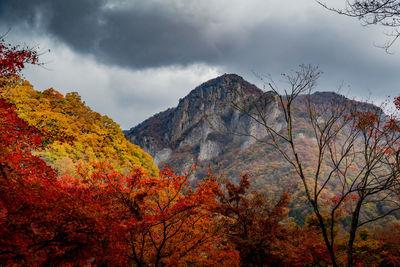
(204, 130)
(95, 137)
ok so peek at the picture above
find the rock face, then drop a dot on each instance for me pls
(203, 124)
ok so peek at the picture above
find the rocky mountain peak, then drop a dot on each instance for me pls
(229, 82)
(221, 89)
(202, 122)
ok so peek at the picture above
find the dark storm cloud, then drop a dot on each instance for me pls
(137, 36)
(149, 40)
(73, 21)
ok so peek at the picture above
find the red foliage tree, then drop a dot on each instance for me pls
(14, 58)
(42, 220)
(256, 228)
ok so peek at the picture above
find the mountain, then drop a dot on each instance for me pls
(202, 126)
(205, 130)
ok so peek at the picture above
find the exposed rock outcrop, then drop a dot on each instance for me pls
(203, 123)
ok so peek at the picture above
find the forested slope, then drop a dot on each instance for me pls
(91, 136)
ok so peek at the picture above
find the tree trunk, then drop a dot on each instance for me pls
(326, 239)
(353, 231)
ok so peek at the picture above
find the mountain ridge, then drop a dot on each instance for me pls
(205, 130)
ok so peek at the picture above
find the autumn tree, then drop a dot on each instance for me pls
(357, 154)
(43, 220)
(257, 228)
(13, 59)
(160, 221)
(373, 12)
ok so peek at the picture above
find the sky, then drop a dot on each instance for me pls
(130, 59)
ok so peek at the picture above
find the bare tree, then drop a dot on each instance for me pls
(374, 12)
(358, 153)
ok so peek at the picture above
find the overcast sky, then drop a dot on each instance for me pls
(129, 59)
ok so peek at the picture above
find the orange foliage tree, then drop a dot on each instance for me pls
(160, 221)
